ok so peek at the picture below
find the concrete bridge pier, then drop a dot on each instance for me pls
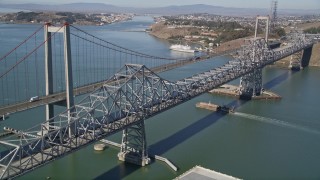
(306, 56)
(295, 61)
(300, 59)
(134, 145)
(251, 84)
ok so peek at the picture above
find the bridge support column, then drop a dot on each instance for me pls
(251, 84)
(295, 61)
(134, 146)
(48, 72)
(68, 71)
(68, 76)
(306, 56)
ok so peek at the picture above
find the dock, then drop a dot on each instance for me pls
(233, 91)
(111, 143)
(165, 160)
(199, 172)
(160, 158)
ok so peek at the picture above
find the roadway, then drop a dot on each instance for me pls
(60, 98)
(30, 150)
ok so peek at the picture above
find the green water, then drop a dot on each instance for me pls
(277, 139)
(281, 140)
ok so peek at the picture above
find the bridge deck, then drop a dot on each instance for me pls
(146, 98)
(61, 97)
(59, 150)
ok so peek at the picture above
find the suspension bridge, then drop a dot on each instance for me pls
(115, 100)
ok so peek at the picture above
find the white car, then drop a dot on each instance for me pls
(35, 98)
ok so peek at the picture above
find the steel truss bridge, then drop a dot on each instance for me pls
(125, 100)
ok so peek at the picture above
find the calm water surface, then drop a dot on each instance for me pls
(264, 140)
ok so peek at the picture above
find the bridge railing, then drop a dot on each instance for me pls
(131, 95)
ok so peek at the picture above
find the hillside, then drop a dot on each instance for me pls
(168, 10)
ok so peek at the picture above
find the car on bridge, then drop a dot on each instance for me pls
(35, 98)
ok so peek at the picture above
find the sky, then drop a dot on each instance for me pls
(282, 4)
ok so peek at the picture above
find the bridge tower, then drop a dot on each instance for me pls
(295, 61)
(139, 98)
(49, 69)
(300, 59)
(251, 84)
(134, 146)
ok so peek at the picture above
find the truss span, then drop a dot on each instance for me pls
(129, 97)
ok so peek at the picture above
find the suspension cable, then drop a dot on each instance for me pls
(28, 55)
(29, 37)
(123, 49)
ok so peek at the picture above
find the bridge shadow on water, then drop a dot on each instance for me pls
(164, 145)
(170, 142)
(278, 80)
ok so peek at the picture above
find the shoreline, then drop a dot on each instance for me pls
(41, 23)
(62, 17)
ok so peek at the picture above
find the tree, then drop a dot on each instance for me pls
(280, 32)
(312, 30)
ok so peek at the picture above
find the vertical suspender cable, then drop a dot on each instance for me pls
(93, 62)
(100, 61)
(7, 92)
(26, 77)
(83, 55)
(120, 59)
(37, 70)
(126, 58)
(78, 64)
(108, 59)
(131, 58)
(55, 66)
(61, 55)
(86, 67)
(115, 60)
(15, 85)
(2, 90)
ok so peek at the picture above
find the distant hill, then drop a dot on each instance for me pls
(169, 10)
(201, 8)
(74, 7)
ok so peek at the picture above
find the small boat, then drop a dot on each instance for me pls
(182, 48)
(224, 109)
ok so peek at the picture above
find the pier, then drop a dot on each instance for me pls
(233, 91)
(110, 143)
(165, 160)
(199, 172)
(160, 158)
(121, 101)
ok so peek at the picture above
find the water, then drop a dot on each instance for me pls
(8, 10)
(271, 140)
(276, 122)
(91, 63)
